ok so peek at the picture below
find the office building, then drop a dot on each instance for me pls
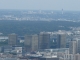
(12, 39)
(61, 40)
(78, 45)
(44, 41)
(34, 42)
(73, 47)
(31, 42)
(27, 41)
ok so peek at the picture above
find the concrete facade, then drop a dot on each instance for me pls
(12, 39)
(44, 41)
(61, 40)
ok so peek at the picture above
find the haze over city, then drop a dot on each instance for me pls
(72, 5)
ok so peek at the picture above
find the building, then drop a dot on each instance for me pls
(78, 46)
(73, 47)
(31, 42)
(61, 40)
(77, 57)
(12, 39)
(34, 42)
(44, 41)
(27, 42)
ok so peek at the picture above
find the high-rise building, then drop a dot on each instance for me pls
(34, 42)
(78, 46)
(12, 39)
(61, 40)
(44, 41)
(27, 41)
(31, 42)
(73, 47)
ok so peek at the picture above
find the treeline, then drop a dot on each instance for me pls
(34, 27)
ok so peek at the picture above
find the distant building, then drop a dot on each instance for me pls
(61, 40)
(12, 39)
(77, 57)
(73, 47)
(78, 46)
(34, 42)
(27, 41)
(44, 41)
(31, 42)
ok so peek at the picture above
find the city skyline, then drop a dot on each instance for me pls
(39, 30)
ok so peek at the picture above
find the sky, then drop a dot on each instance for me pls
(72, 5)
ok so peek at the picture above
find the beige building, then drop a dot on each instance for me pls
(73, 47)
(31, 42)
(44, 41)
(12, 39)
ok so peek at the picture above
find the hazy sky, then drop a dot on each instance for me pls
(40, 4)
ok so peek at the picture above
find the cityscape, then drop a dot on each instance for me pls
(60, 40)
(39, 30)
